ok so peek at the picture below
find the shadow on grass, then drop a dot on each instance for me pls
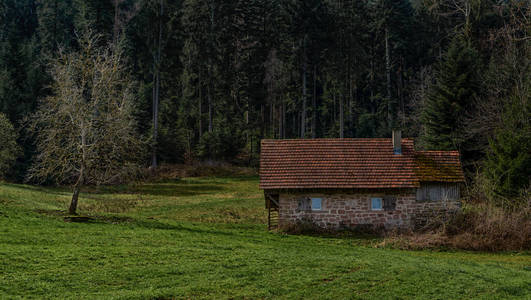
(172, 188)
(176, 190)
(124, 220)
(203, 179)
(61, 191)
(360, 236)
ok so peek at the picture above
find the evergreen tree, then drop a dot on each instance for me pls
(309, 21)
(450, 97)
(94, 15)
(9, 149)
(56, 25)
(392, 27)
(508, 163)
(217, 76)
(22, 69)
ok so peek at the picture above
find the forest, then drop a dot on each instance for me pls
(188, 81)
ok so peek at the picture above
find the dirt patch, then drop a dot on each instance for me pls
(52, 212)
(114, 219)
(79, 219)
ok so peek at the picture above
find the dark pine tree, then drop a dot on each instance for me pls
(452, 94)
(508, 163)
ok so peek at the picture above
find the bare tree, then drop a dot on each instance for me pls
(464, 13)
(507, 78)
(85, 131)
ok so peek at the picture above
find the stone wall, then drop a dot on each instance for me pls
(351, 209)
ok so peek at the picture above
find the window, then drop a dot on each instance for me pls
(376, 204)
(304, 204)
(307, 204)
(317, 203)
(389, 203)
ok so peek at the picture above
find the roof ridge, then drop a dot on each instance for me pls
(437, 150)
(336, 139)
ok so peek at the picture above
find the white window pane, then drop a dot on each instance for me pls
(376, 203)
(316, 203)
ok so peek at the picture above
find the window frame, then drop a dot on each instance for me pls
(389, 203)
(372, 204)
(320, 204)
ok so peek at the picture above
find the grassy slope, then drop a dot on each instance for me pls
(205, 238)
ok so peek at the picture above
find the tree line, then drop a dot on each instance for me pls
(208, 79)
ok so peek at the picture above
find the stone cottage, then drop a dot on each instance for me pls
(344, 183)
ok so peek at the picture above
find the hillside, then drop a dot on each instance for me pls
(206, 238)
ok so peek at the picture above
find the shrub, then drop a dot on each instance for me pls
(304, 226)
(224, 143)
(490, 228)
(9, 149)
(308, 226)
(508, 163)
(477, 227)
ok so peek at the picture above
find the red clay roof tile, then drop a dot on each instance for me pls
(352, 163)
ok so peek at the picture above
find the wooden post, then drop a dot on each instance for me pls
(269, 217)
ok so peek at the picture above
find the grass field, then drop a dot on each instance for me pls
(206, 238)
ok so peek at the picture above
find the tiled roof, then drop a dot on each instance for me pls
(439, 166)
(351, 163)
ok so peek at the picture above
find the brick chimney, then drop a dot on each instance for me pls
(397, 141)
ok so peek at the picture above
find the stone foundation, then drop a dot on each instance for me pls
(348, 210)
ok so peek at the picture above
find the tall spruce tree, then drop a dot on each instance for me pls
(508, 163)
(452, 94)
(9, 149)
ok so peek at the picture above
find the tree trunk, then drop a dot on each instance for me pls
(314, 103)
(80, 180)
(350, 104)
(263, 119)
(156, 90)
(371, 85)
(55, 25)
(304, 71)
(210, 110)
(247, 135)
(200, 117)
(281, 121)
(271, 118)
(341, 118)
(209, 61)
(335, 110)
(77, 187)
(388, 73)
(116, 25)
(73, 204)
(295, 120)
(155, 118)
(401, 91)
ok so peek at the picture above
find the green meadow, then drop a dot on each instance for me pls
(207, 238)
